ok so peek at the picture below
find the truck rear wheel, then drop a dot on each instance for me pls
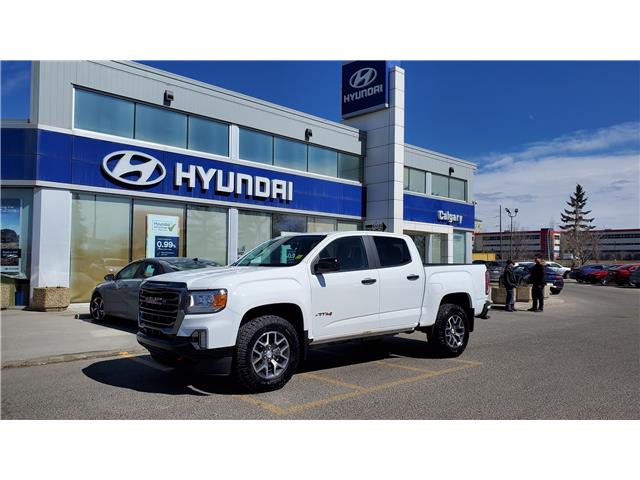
(450, 333)
(267, 353)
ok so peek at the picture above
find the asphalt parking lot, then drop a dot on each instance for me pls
(577, 360)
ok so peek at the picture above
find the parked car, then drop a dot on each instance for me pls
(564, 271)
(603, 276)
(554, 279)
(582, 272)
(623, 273)
(257, 318)
(118, 294)
(496, 269)
(634, 278)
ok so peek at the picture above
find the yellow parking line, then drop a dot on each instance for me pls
(262, 404)
(333, 381)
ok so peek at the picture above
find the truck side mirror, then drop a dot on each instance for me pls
(328, 264)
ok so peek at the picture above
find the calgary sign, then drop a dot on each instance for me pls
(143, 170)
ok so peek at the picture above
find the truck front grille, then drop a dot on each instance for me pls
(159, 305)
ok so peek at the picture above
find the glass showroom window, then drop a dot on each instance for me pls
(438, 245)
(141, 225)
(103, 113)
(207, 233)
(417, 180)
(323, 161)
(345, 226)
(439, 185)
(457, 189)
(290, 154)
(321, 224)
(406, 178)
(256, 146)
(253, 229)
(459, 247)
(208, 136)
(349, 167)
(99, 240)
(160, 125)
(282, 222)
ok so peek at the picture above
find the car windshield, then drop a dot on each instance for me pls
(280, 252)
(178, 264)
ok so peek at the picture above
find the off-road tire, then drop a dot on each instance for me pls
(437, 335)
(244, 373)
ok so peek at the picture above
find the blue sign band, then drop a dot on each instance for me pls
(434, 210)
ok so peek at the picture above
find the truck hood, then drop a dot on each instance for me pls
(218, 277)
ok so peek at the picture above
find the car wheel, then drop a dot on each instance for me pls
(267, 353)
(450, 333)
(96, 308)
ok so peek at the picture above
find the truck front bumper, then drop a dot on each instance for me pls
(180, 352)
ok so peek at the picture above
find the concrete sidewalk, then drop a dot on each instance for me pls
(32, 338)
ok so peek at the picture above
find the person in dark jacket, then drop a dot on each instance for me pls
(538, 281)
(509, 282)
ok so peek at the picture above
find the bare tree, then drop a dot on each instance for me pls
(592, 246)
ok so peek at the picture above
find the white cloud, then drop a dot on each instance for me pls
(539, 179)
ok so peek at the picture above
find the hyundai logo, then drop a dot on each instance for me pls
(134, 168)
(363, 77)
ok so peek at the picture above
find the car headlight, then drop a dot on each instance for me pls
(207, 301)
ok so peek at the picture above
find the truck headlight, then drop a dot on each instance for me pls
(207, 301)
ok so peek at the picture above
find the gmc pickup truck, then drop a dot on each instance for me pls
(256, 318)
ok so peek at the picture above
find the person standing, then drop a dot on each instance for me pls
(538, 281)
(509, 282)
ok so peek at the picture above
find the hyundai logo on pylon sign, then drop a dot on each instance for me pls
(134, 168)
(364, 87)
(363, 77)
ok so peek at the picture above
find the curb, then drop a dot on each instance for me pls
(71, 357)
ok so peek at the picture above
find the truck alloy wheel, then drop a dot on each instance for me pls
(96, 308)
(267, 352)
(450, 333)
(270, 355)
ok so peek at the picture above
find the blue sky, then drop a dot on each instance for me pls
(549, 117)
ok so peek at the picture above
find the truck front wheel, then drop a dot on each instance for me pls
(267, 353)
(450, 333)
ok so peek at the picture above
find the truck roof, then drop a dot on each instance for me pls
(349, 232)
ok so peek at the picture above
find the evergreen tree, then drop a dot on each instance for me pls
(576, 225)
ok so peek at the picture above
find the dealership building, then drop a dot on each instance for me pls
(120, 161)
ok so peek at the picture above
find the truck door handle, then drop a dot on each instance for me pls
(413, 277)
(368, 281)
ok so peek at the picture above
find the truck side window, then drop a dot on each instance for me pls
(349, 251)
(392, 251)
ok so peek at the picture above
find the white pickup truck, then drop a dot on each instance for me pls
(256, 318)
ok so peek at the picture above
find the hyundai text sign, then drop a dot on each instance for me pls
(364, 87)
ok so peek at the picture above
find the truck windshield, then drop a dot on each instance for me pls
(280, 252)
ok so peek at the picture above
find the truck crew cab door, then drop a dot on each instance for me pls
(344, 302)
(402, 283)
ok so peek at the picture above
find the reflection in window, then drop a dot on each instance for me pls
(282, 223)
(103, 113)
(160, 125)
(417, 180)
(323, 161)
(253, 229)
(99, 240)
(349, 251)
(208, 136)
(457, 189)
(345, 226)
(321, 224)
(207, 233)
(459, 248)
(349, 167)
(256, 146)
(406, 178)
(289, 154)
(439, 185)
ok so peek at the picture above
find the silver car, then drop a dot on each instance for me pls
(118, 294)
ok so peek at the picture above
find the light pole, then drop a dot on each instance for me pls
(511, 216)
(500, 215)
